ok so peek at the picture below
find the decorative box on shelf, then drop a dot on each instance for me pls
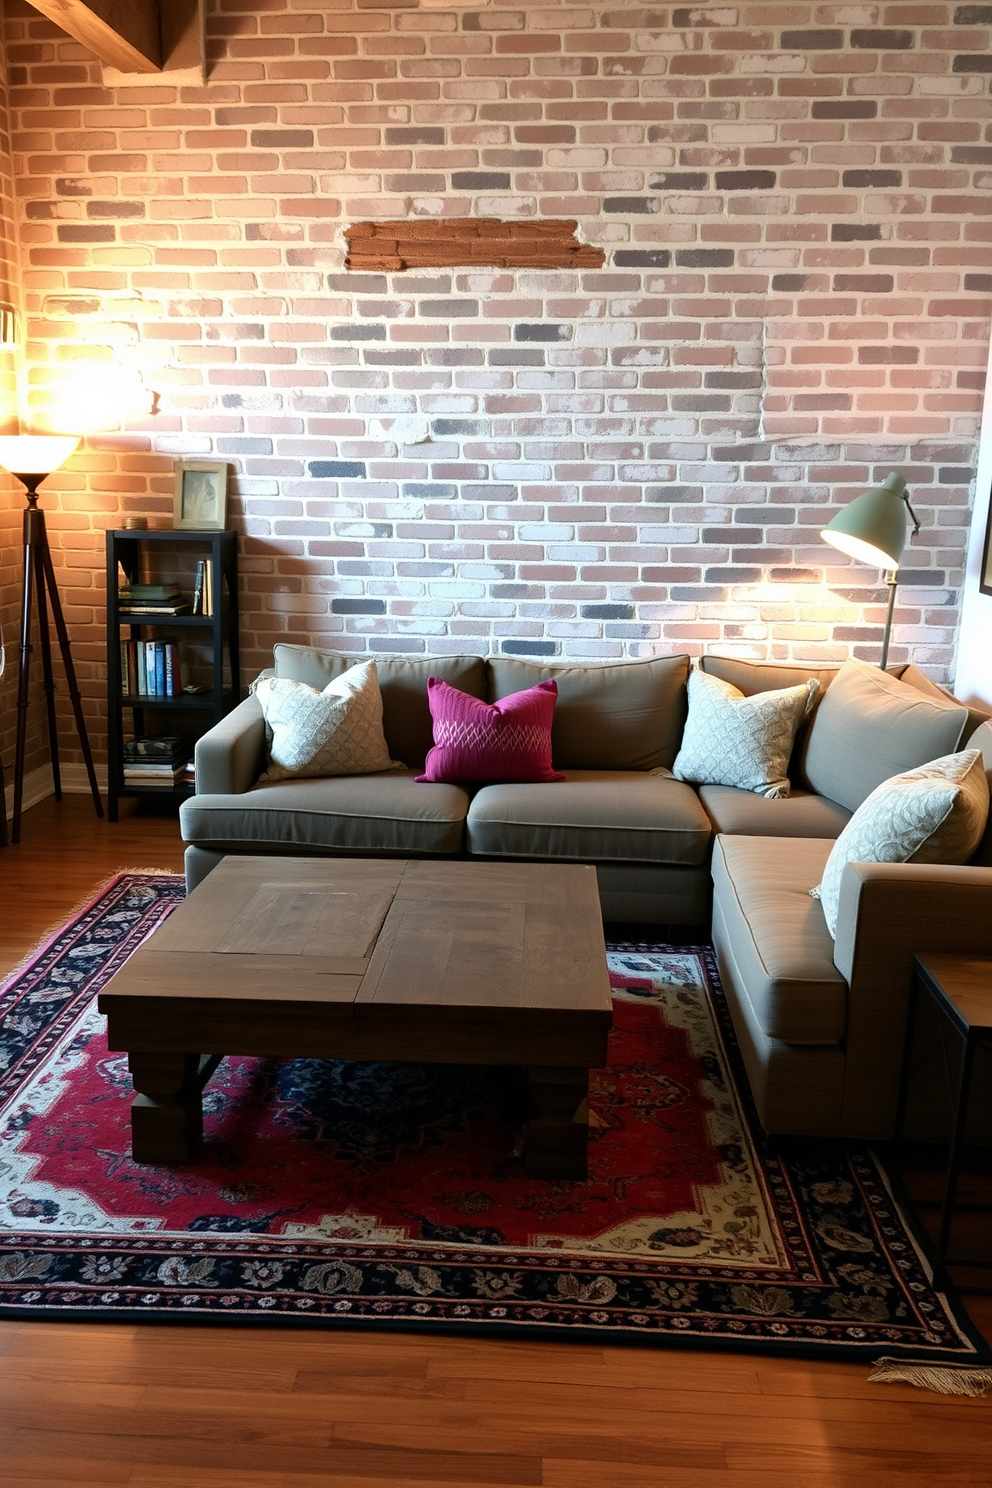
(173, 663)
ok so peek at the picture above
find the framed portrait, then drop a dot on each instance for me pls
(200, 496)
(985, 572)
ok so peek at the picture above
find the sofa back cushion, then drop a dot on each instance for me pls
(625, 715)
(977, 712)
(406, 715)
(751, 677)
(871, 726)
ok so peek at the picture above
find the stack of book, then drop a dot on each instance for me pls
(163, 760)
(146, 600)
(151, 669)
(203, 588)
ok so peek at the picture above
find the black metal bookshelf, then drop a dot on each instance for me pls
(209, 643)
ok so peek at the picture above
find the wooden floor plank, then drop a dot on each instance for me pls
(235, 1448)
(170, 1477)
(607, 1443)
(593, 1400)
(933, 1466)
(131, 1406)
(41, 1470)
(572, 1473)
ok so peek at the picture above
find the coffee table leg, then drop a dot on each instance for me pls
(167, 1111)
(557, 1122)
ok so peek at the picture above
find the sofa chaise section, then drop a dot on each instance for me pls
(821, 1021)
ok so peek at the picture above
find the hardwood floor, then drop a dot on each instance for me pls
(163, 1407)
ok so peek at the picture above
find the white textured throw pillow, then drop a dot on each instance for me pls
(334, 732)
(731, 739)
(933, 814)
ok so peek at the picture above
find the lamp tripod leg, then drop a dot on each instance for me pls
(39, 572)
(23, 676)
(70, 673)
(48, 678)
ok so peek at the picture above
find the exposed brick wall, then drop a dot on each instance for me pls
(794, 205)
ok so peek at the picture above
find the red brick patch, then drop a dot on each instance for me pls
(468, 242)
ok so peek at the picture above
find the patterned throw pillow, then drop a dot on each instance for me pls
(933, 814)
(334, 732)
(731, 739)
(505, 741)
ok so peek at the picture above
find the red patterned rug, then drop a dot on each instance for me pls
(393, 1195)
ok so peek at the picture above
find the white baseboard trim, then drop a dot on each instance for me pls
(38, 784)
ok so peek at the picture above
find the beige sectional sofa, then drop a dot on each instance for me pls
(820, 1022)
(648, 836)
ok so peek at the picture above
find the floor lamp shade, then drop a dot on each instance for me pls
(872, 528)
(35, 454)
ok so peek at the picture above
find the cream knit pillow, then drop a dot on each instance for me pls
(334, 732)
(933, 814)
(731, 739)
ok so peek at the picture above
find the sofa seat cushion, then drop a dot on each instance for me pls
(592, 816)
(390, 813)
(745, 814)
(778, 937)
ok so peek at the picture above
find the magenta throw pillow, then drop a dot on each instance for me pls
(505, 741)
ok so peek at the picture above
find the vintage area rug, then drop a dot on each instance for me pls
(393, 1195)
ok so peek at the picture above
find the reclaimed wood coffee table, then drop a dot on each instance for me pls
(331, 958)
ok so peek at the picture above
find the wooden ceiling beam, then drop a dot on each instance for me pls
(126, 34)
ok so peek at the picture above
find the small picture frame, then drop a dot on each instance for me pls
(200, 496)
(985, 572)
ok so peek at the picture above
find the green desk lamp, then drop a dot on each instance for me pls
(872, 529)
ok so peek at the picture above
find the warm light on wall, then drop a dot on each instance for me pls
(92, 397)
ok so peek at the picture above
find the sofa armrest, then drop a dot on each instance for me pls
(888, 912)
(231, 756)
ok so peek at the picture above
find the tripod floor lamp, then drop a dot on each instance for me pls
(30, 457)
(873, 529)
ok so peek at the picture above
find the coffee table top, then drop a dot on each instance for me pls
(361, 935)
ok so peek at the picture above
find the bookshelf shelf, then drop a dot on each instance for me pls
(200, 649)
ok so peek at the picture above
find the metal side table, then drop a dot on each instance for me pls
(960, 990)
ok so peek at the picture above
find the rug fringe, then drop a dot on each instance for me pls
(80, 908)
(942, 1379)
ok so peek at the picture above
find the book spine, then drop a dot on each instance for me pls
(170, 677)
(208, 587)
(125, 670)
(197, 605)
(132, 668)
(142, 689)
(160, 669)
